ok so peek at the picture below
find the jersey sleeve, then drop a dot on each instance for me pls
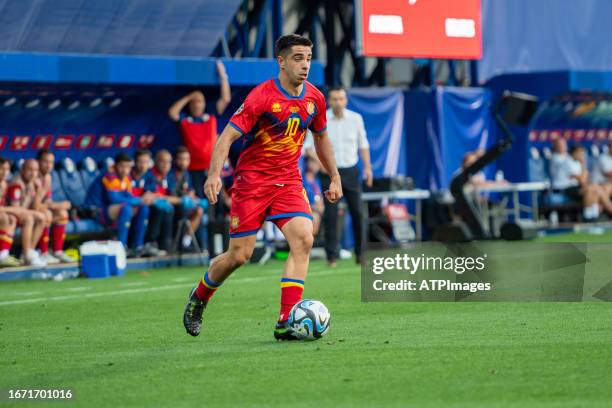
(247, 115)
(319, 122)
(112, 185)
(14, 194)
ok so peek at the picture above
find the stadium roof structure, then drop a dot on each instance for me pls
(140, 42)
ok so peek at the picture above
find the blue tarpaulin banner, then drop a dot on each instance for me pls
(383, 115)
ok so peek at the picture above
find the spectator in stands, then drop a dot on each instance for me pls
(142, 182)
(569, 175)
(23, 196)
(118, 206)
(312, 186)
(199, 129)
(58, 212)
(348, 137)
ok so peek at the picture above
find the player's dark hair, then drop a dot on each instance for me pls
(142, 152)
(122, 157)
(575, 147)
(335, 88)
(42, 153)
(284, 43)
(181, 150)
(4, 160)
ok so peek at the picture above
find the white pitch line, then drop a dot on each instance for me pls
(37, 292)
(183, 279)
(79, 288)
(133, 284)
(144, 290)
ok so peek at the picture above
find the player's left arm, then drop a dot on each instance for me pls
(325, 153)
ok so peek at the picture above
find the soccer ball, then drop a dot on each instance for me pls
(309, 319)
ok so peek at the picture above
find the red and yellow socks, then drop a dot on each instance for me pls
(6, 240)
(291, 293)
(43, 244)
(59, 235)
(206, 288)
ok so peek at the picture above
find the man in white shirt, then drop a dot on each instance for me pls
(602, 172)
(570, 175)
(348, 137)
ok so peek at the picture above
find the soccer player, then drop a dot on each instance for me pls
(272, 122)
(118, 206)
(160, 228)
(58, 211)
(142, 182)
(23, 196)
(198, 128)
(190, 207)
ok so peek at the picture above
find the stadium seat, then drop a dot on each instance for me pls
(88, 170)
(106, 164)
(17, 166)
(57, 191)
(71, 182)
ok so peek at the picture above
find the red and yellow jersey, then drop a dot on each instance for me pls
(113, 183)
(22, 194)
(274, 126)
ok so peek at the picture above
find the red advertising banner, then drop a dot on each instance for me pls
(420, 28)
(42, 142)
(64, 142)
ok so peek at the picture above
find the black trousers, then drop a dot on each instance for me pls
(198, 178)
(159, 229)
(351, 187)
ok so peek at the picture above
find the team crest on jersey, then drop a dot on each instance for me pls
(276, 107)
(310, 108)
(239, 110)
(294, 109)
(235, 222)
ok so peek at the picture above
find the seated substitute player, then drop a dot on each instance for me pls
(8, 221)
(142, 182)
(191, 207)
(118, 207)
(160, 227)
(23, 195)
(273, 121)
(58, 211)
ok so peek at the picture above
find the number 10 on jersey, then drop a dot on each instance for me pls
(292, 126)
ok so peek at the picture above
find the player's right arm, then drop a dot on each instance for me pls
(242, 122)
(213, 184)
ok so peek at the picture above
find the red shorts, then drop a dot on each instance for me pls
(252, 206)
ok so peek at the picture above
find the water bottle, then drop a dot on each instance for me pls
(554, 218)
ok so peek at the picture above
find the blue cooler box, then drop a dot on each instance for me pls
(101, 259)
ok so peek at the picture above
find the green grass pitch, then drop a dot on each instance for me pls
(120, 342)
